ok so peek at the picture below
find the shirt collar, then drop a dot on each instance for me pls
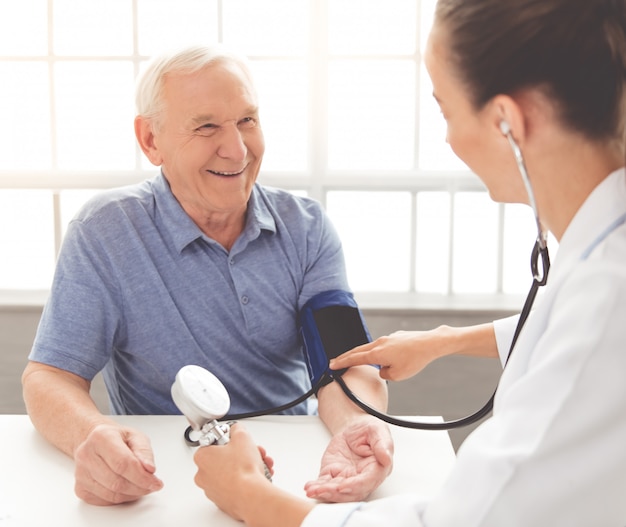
(182, 229)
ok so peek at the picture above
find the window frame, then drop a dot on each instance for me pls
(317, 180)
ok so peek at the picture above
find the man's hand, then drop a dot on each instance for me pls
(114, 465)
(356, 461)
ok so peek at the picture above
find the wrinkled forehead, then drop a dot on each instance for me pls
(222, 89)
(216, 77)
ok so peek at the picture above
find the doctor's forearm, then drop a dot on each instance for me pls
(475, 341)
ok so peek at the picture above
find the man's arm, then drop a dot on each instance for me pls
(114, 464)
(337, 411)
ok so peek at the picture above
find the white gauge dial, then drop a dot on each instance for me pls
(199, 395)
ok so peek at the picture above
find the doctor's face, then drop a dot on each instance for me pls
(473, 134)
(208, 139)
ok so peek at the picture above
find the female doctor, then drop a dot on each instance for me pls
(534, 99)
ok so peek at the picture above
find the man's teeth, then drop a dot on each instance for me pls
(225, 173)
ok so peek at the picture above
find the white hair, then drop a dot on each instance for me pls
(149, 91)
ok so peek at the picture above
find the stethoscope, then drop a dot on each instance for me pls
(203, 399)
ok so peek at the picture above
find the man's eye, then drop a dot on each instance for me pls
(206, 129)
(248, 122)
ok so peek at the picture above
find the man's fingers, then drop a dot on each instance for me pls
(115, 466)
(140, 446)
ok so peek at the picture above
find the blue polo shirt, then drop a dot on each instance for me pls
(139, 291)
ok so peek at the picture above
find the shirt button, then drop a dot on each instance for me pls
(231, 261)
(244, 300)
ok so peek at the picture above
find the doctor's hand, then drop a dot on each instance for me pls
(228, 473)
(405, 353)
(356, 461)
(114, 464)
(399, 355)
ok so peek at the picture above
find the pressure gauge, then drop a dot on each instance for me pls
(200, 396)
(203, 399)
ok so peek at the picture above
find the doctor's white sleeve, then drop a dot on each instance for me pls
(504, 329)
(400, 511)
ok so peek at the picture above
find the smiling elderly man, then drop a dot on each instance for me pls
(199, 265)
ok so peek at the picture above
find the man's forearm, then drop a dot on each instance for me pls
(336, 410)
(60, 406)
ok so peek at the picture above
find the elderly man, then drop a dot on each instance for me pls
(200, 265)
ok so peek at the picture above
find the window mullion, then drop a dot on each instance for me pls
(451, 243)
(413, 245)
(318, 60)
(500, 249)
(57, 226)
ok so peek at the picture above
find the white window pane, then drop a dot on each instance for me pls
(434, 151)
(169, 24)
(272, 27)
(71, 201)
(144, 162)
(427, 13)
(520, 233)
(372, 27)
(25, 116)
(93, 28)
(375, 231)
(147, 165)
(475, 243)
(27, 239)
(94, 106)
(433, 242)
(24, 27)
(371, 115)
(283, 102)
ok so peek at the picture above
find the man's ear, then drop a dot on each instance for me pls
(144, 131)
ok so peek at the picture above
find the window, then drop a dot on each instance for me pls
(346, 108)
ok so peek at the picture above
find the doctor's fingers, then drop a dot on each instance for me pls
(370, 353)
(240, 454)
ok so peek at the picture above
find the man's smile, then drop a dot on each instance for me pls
(218, 173)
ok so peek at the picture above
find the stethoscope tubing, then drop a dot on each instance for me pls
(538, 281)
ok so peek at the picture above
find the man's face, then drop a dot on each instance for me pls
(208, 139)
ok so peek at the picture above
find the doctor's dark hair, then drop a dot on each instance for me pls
(572, 50)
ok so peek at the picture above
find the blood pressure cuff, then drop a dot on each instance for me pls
(330, 324)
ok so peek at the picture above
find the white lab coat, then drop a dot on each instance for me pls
(554, 452)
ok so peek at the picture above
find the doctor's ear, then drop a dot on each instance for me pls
(508, 116)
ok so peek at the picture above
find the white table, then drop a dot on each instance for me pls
(37, 481)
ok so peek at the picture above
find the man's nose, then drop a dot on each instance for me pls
(232, 145)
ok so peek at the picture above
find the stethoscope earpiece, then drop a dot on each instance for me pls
(505, 128)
